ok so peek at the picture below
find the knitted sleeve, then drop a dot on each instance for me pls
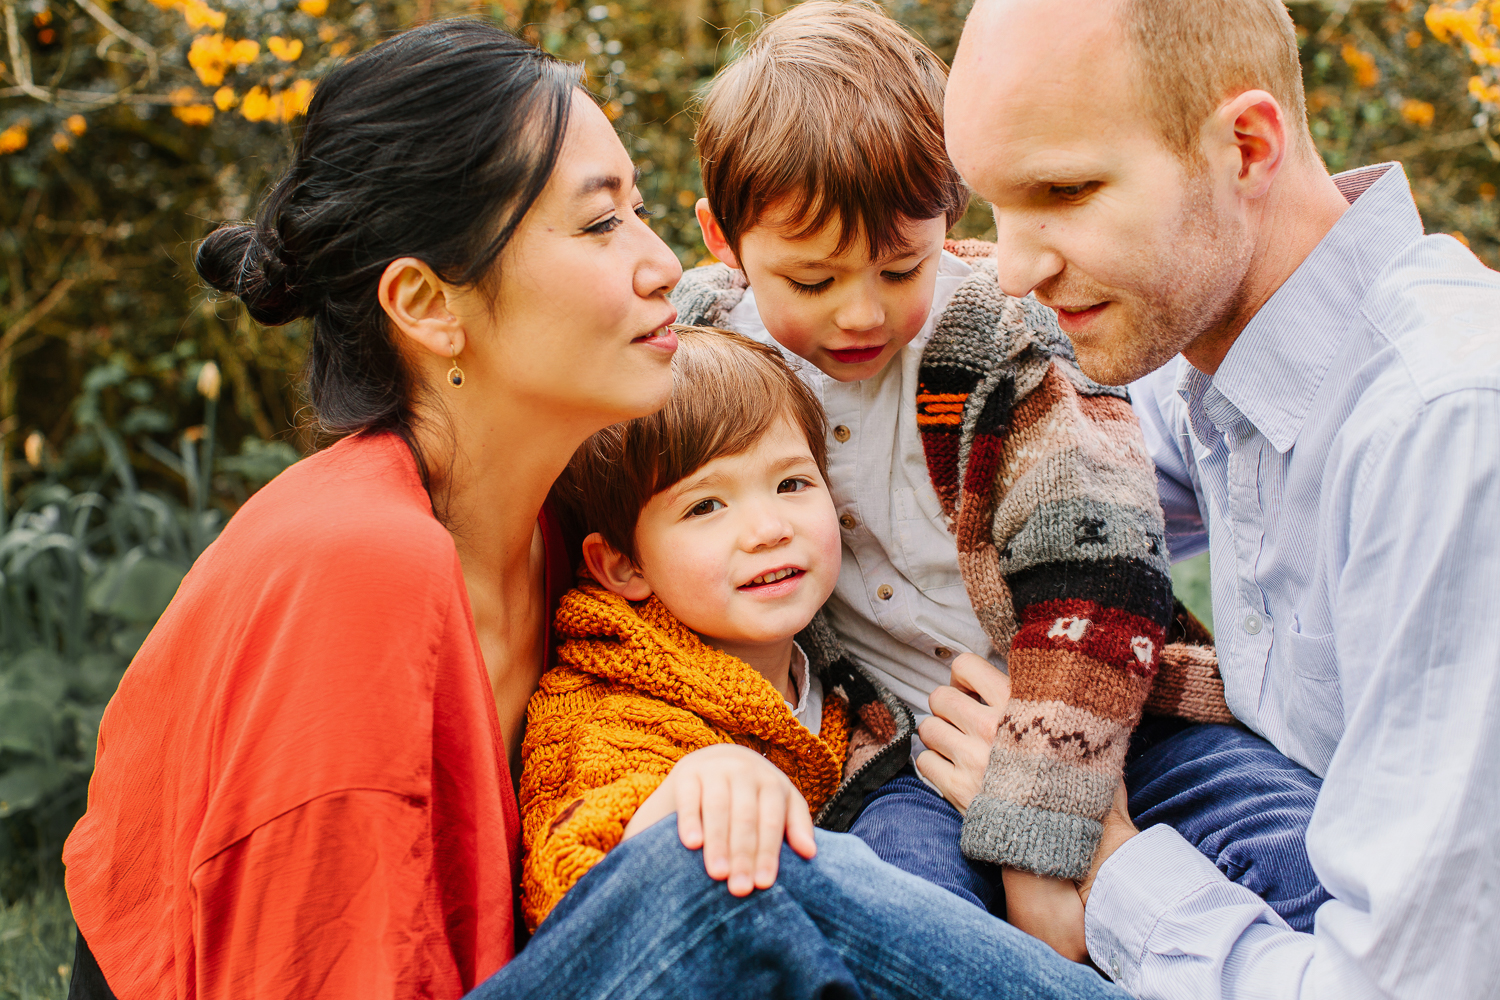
(705, 295)
(593, 753)
(1060, 542)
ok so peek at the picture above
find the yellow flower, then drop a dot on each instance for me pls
(1486, 191)
(340, 48)
(183, 95)
(327, 32)
(224, 98)
(200, 15)
(1460, 237)
(244, 52)
(14, 139)
(317, 8)
(284, 50)
(1417, 112)
(295, 99)
(256, 106)
(1366, 74)
(76, 124)
(61, 142)
(1414, 39)
(34, 448)
(1482, 93)
(209, 57)
(194, 114)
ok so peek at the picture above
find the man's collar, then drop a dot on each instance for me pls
(1276, 365)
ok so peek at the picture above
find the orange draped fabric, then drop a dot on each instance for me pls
(301, 789)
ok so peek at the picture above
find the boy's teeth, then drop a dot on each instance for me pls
(780, 574)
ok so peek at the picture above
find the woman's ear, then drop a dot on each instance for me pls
(416, 300)
(614, 572)
(713, 235)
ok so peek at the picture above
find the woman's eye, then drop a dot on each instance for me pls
(794, 485)
(608, 225)
(813, 289)
(899, 276)
(644, 213)
(703, 507)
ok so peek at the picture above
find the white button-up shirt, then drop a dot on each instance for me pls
(1343, 468)
(900, 605)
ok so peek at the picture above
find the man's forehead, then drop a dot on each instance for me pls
(1047, 103)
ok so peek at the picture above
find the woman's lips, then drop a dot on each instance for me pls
(1077, 320)
(664, 339)
(856, 355)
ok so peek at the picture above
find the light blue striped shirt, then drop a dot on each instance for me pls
(1343, 469)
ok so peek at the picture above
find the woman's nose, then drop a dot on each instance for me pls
(658, 270)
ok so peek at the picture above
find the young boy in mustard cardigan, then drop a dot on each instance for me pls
(681, 684)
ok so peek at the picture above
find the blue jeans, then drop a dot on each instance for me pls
(1243, 804)
(909, 825)
(647, 923)
(1231, 794)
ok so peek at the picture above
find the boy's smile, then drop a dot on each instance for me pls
(833, 306)
(746, 549)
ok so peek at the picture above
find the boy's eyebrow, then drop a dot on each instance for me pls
(608, 182)
(689, 485)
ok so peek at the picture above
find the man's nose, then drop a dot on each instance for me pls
(1022, 259)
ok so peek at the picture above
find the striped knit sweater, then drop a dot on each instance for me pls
(1051, 495)
(635, 691)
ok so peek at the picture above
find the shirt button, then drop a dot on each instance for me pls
(1253, 624)
(847, 521)
(841, 433)
(942, 652)
(884, 592)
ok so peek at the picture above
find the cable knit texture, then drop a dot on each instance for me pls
(1048, 488)
(634, 692)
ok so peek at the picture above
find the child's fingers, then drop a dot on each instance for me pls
(689, 811)
(975, 674)
(716, 820)
(773, 817)
(744, 825)
(799, 826)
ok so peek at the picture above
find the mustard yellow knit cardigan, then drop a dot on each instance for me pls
(634, 692)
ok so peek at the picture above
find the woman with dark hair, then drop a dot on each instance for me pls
(304, 784)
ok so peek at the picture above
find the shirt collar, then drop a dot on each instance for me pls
(1277, 363)
(799, 680)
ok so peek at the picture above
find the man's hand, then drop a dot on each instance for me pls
(736, 806)
(1118, 828)
(1046, 908)
(965, 715)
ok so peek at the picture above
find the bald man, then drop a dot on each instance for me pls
(1319, 384)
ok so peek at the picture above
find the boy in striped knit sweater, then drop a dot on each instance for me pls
(992, 500)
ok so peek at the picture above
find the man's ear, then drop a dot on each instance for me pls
(713, 235)
(614, 572)
(416, 301)
(1249, 133)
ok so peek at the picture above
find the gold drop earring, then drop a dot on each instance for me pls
(455, 374)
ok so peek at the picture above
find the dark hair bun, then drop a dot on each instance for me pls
(237, 259)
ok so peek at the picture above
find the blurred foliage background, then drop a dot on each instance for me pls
(137, 411)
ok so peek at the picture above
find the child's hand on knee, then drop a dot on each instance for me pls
(1046, 908)
(736, 806)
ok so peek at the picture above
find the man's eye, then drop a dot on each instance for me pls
(1070, 192)
(703, 507)
(796, 484)
(813, 289)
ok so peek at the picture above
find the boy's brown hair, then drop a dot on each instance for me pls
(727, 391)
(834, 110)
